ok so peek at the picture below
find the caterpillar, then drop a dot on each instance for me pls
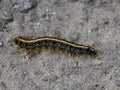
(34, 46)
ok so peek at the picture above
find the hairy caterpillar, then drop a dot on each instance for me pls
(34, 46)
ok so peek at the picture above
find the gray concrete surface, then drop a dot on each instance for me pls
(90, 22)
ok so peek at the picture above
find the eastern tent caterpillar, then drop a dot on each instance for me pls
(35, 46)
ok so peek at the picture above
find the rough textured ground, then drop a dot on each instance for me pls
(90, 22)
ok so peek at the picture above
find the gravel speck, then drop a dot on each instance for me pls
(75, 36)
(91, 88)
(25, 5)
(118, 83)
(73, 0)
(2, 23)
(7, 16)
(1, 43)
(3, 86)
(88, 2)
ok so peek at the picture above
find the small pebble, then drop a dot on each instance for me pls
(88, 2)
(57, 33)
(91, 88)
(118, 83)
(2, 23)
(0, 1)
(73, 0)
(48, 14)
(25, 5)
(1, 44)
(7, 16)
(75, 36)
(3, 86)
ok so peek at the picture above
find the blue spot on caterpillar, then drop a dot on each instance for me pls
(30, 46)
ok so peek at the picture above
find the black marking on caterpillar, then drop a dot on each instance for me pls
(34, 46)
